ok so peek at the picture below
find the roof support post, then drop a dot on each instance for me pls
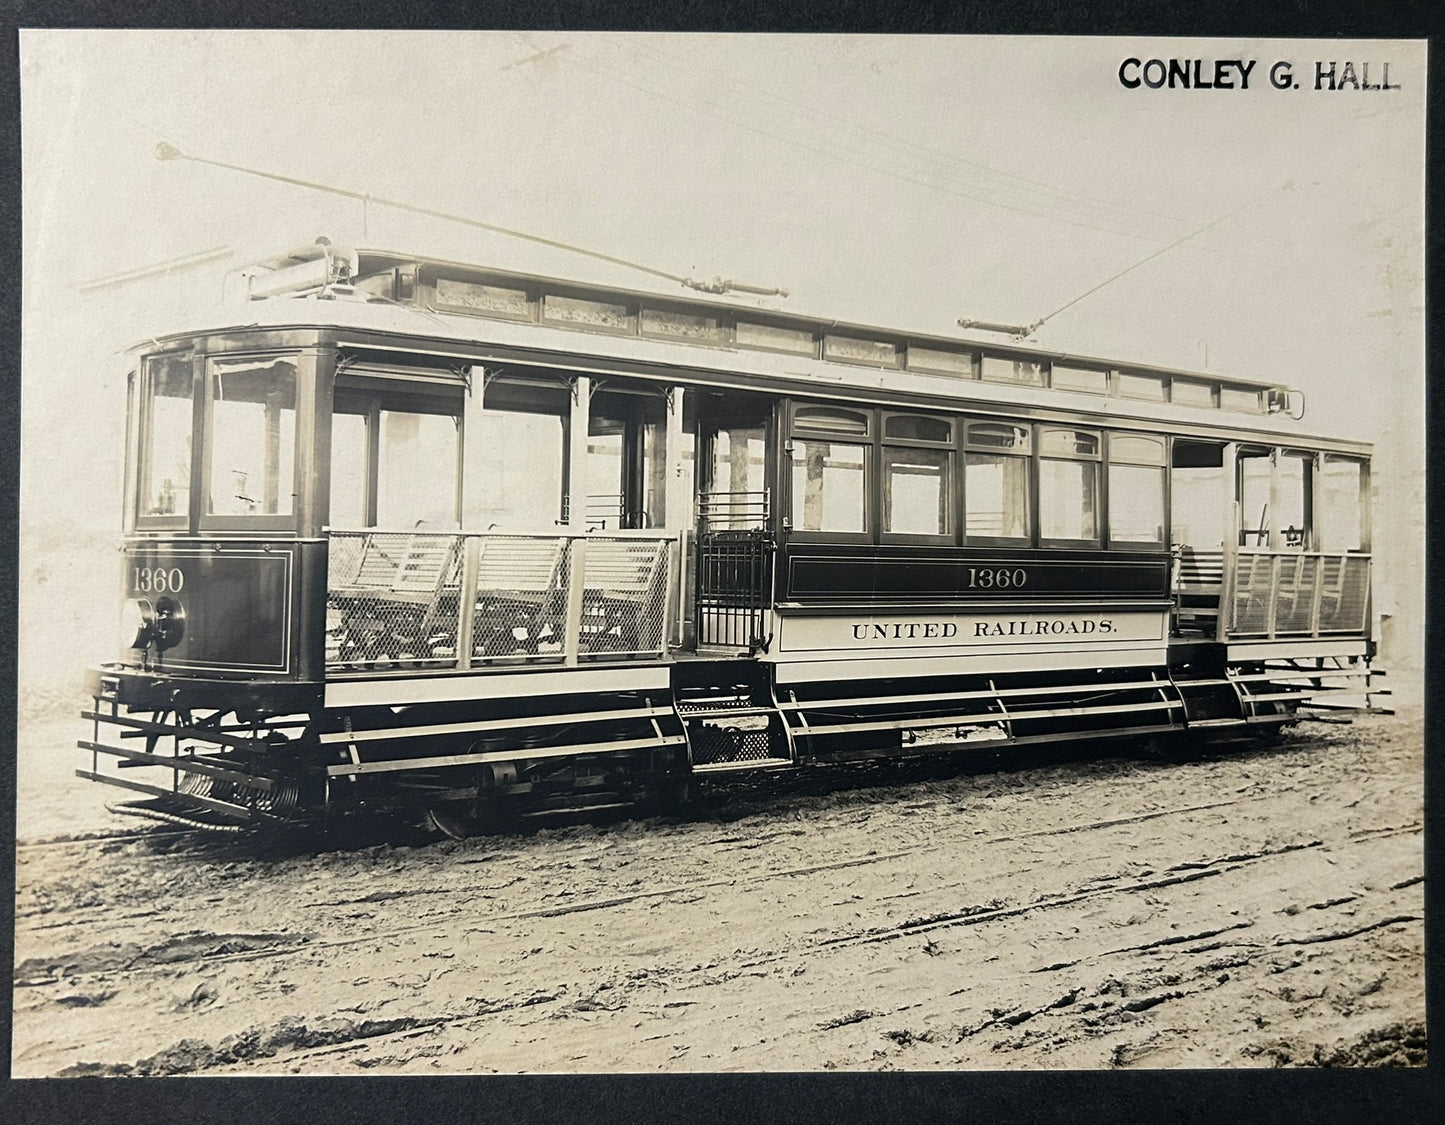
(475, 485)
(678, 517)
(578, 424)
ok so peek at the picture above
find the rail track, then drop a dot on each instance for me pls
(789, 932)
(212, 957)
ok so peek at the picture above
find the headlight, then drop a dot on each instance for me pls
(170, 623)
(137, 623)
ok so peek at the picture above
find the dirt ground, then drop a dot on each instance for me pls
(1253, 908)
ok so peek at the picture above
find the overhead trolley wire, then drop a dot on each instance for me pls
(574, 59)
(1031, 328)
(166, 151)
(924, 151)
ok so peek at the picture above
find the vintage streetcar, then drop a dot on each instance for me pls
(452, 543)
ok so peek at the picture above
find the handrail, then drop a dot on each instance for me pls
(497, 533)
(734, 511)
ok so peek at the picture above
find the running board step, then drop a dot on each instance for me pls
(738, 767)
(815, 714)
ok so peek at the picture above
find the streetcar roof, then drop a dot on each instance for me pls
(519, 313)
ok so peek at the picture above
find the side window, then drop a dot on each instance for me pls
(1296, 485)
(1276, 498)
(917, 469)
(829, 479)
(1008, 369)
(996, 480)
(830, 476)
(1255, 471)
(524, 454)
(1068, 485)
(1136, 489)
(395, 457)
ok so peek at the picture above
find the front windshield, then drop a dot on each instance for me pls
(253, 437)
(165, 465)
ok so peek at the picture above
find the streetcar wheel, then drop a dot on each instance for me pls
(451, 820)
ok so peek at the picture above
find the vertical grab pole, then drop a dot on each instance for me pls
(679, 518)
(1316, 521)
(578, 424)
(467, 598)
(1367, 524)
(1229, 543)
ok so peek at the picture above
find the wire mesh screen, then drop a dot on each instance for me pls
(520, 609)
(1345, 594)
(624, 597)
(391, 599)
(1253, 586)
(1294, 596)
(1293, 593)
(394, 598)
(744, 739)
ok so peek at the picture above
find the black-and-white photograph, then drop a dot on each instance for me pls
(558, 552)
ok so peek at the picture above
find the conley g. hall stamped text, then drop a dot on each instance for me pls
(1237, 74)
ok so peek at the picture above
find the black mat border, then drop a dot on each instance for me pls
(1387, 1096)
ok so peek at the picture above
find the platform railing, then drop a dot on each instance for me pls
(733, 511)
(1297, 594)
(423, 599)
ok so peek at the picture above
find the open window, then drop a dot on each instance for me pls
(1344, 524)
(1199, 500)
(626, 470)
(1199, 496)
(395, 454)
(1275, 489)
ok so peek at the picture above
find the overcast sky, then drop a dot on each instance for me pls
(900, 181)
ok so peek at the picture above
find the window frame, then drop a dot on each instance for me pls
(868, 534)
(1101, 514)
(1039, 362)
(1027, 455)
(208, 521)
(1104, 374)
(1119, 382)
(143, 453)
(1309, 460)
(1165, 468)
(952, 488)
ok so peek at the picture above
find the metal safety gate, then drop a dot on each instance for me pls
(734, 588)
